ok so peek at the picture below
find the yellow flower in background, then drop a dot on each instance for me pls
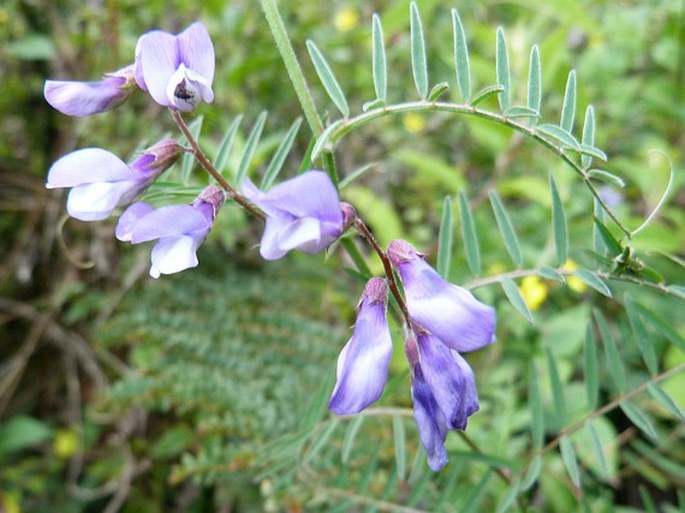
(574, 283)
(534, 291)
(9, 502)
(66, 443)
(346, 19)
(414, 122)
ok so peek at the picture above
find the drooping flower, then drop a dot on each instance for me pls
(302, 213)
(75, 98)
(177, 70)
(178, 229)
(364, 361)
(443, 392)
(447, 311)
(430, 421)
(100, 181)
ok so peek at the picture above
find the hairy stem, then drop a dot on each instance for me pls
(387, 266)
(609, 406)
(337, 130)
(277, 27)
(209, 167)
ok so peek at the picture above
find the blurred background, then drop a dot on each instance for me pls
(206, 391)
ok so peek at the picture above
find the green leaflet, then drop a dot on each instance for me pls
(560, 134)
(469, 236)
(559, 227)
(592, 280)
(568, 109)
(568, 455)
(588, 137)
(418, 52)
(597, 448)
(535, 80)
(590, 367)
(400, 446)
(226, 145)
(276, 163)
(644, 342)
(461, 57)
(250, 148)
(503, 71)
(516, 299)
(557, 388)
(639, 418)
(611, 353)
(445, 238)
(607, 177)
(536, 408)
(350, 437)
(506, 229)
(328, 79)
(380, 67)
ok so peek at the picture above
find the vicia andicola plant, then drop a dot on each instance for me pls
(303, 213)
(409, 299)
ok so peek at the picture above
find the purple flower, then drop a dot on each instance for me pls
(443, 391)
(179, 229)
(364, 361)
(85, 98)
(302, 213)
(430, 421)
(100, 181)
(177, 70)
(447, 311)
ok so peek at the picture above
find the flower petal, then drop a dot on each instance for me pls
(196, 51)
(89, 165)
(299, 233)
(364, 361)
(430, 421)
(450, 379)
(158, 58)
(311, 194)
(449, 312)
(85, 98)
(174, 254)
(171, 221)
(128, 220)
(97, 201)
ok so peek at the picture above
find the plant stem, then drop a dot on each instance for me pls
(207, 165)
(273, 18)
(338, 129)
(387, 266)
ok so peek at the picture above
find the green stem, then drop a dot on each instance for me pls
(273, 18)
(608, 407)
(337, 130)
(522, 273)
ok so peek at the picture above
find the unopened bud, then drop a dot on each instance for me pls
(213, 195)
(349, 215)
(165, 153)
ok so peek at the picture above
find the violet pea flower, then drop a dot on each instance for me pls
(430, 421)
(303, 213)
(447, 311)
(364, 361)
(178, 229)
(75, 98)
(100, 181)
(443, 392)
(177, 70)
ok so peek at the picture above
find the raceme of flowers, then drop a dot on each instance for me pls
(305, 213)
